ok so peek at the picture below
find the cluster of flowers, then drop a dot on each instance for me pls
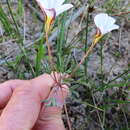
(52, 8)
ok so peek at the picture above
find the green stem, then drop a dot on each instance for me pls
(86, 46)
(101, 59)
(119, 76)
(84, 57)
(61, 43)
(106, 85)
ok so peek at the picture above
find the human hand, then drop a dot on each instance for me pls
(23, 107)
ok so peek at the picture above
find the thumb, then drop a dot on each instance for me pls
(50, 116)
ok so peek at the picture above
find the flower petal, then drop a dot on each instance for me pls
(113, 27)
(59, 2)
(43, 3)
(63, 8)
(103, 30)
(51, 4)
(100, 19)
(50, 13)
(105, 23)
(110, 21)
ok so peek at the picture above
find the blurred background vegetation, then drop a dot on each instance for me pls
(100, 89)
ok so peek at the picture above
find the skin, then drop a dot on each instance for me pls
(21, 101)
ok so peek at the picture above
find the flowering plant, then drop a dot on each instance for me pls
(51, 9)
(104, 25)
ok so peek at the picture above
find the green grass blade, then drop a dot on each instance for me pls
(5, 21)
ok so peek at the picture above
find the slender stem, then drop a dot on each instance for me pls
(86, 44)
(124, 73)
(99, 118)
(106, 85)
(67, 116)
(58, 83)
(49, 53)
(84, 57)
(101, 60)
(122, 13)
(66, 112)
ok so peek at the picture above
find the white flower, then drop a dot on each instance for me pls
(105, 23)
(53, 8)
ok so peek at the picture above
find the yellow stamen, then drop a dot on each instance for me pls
(97, 38)
(48, 23)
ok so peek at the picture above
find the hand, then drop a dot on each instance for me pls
(23, 107)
